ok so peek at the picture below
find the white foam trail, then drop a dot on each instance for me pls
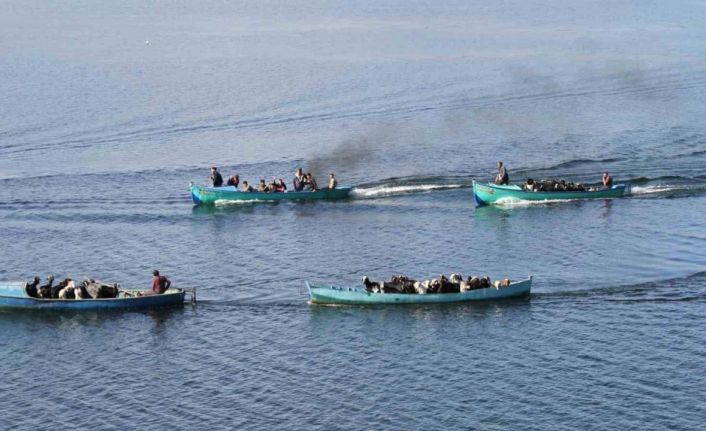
(379, 191)
(514, 202)
(225, 202)
(637, 190)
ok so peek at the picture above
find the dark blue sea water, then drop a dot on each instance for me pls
(109, 109)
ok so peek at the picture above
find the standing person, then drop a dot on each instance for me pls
(160, 284)
(332, 182)
(216, 178)
(502, 178)
(234, 181)
(264, 188)
(299, 180)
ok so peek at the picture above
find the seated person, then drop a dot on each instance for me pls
(502, 178)
(529, 185)
(547, 185)
(272, 184)
(234, 181)
(607, 180)
(332, 182)
(310, 183)
(247, 187)
(32, 288)
(160, 283)
(264, 187)
(279, 186)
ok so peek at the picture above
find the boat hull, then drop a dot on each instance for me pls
(488, 194)
(13, 296)
(211, 195)
(333, 295)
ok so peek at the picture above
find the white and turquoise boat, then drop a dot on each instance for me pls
(334, 295)
(488, 194)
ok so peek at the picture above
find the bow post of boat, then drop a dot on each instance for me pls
(194, 190)
(308, 289)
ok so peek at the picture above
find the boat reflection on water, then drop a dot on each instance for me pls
(333, 315)
(87, 318)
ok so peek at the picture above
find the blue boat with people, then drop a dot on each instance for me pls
(304, 189)
(503, 192)
(487, 194)
(216, 195)
(13, 295)
(335, 295)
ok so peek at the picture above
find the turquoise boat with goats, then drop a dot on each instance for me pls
(212, 195)
(14, 296)
(333, 295)
(488, 194)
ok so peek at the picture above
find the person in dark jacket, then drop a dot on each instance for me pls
(502, 178)
(216, 178)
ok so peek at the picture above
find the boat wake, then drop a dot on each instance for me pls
(395, 190)
(647, 190)
(667, 190)
(514, 202)
(688, 288)
(225, 202)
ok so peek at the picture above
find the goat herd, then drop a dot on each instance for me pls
(555, 186)
(453, 284)
(68, 289)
